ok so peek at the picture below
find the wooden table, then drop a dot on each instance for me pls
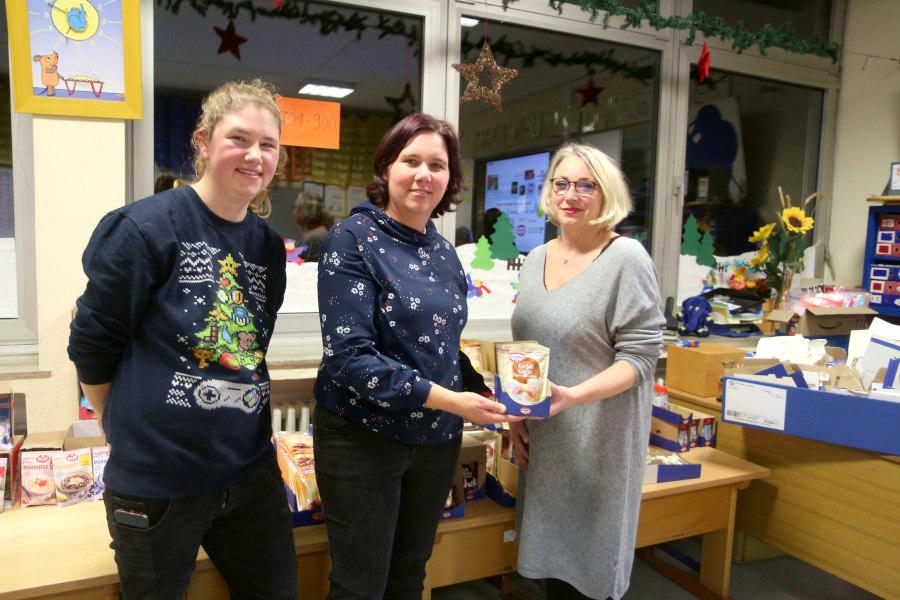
(64, 553)
(831, 506)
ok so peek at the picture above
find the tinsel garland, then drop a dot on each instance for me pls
(711, 26)
(328, 21)
(604, 60)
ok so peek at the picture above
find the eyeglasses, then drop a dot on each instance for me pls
(582, 188)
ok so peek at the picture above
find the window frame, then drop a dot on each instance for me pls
(297, 337)
(19, 335)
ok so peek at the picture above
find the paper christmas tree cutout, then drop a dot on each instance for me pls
(483, 259)
(503, 244)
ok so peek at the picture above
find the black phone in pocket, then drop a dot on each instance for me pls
(131, 518)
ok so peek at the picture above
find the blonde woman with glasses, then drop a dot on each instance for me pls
(592, 297)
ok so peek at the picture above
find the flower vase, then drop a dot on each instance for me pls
(782, 297)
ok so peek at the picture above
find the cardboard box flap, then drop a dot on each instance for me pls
(781, 315)
(48, 440)
(824, 311)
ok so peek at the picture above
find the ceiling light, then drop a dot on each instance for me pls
(468, 22)
(326, 89)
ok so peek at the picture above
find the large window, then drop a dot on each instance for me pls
(746, 138)
(568, 89)
(376, 54)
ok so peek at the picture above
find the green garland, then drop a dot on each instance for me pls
(329, 21)
(508, 51)
(710, 25)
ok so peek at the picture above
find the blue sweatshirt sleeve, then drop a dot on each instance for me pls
(121, 275)
(347, 305)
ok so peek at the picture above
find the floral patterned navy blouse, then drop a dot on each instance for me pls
(392, 304)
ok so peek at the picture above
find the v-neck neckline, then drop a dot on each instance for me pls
(577, 275)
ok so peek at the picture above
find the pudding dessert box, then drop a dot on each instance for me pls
(526, 390)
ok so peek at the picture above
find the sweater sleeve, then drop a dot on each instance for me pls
(636, 317)
(352, 358)
(121, 275)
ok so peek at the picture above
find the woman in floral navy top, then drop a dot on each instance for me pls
(389, 394)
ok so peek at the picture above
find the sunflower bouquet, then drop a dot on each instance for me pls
(781, 246)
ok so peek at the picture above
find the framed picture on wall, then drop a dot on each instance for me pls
(894, 180)
(76, 57)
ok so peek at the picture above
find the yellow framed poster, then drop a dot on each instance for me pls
(76, 57)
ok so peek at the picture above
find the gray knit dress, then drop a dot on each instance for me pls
(579, 499)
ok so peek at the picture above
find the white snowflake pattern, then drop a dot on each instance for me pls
(417, 415)
(182, 338)
(199, 300)
(342, 329)
(383, 404)
(413, 267)
(372, 382)
(323, 317)
(186, 290)
(372, 238)
(392, 323)
(424, 339)
(390, 295)
(357, 289)
(407, 388)
(414, 302)
(381, 250)
(332, 259)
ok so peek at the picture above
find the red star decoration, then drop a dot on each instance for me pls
(278, 5)
(703, 64)
(231, 41)
(589, 93)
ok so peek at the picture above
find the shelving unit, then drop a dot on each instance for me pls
(881, 268)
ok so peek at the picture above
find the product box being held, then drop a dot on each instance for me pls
(522, 382)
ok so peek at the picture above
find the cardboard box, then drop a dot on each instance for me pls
(670, 428)
(84, 434)
(663, 473)
(834, 417)
(455, 506)
(699, 370)
(822, 321)
(11, 487)
(503, 487)
(7, 417)
(473, 462)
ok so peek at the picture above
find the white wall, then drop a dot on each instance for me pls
(868, 128)
(79, 175)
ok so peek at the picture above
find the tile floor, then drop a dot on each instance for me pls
(783, 578)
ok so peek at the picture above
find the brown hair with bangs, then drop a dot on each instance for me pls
(393, 143)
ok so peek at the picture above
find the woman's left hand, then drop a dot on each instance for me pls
(561, 397)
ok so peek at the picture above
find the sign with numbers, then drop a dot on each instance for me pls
(310, 123)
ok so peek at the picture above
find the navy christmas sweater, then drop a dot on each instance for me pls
(392, 304)
(177, 314)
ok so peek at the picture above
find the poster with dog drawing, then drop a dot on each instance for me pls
(76, 57)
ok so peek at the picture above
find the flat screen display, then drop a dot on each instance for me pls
(513, 185)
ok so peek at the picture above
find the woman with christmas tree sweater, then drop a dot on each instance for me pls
(169, 343)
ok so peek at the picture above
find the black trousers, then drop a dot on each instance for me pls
(382, 501)
(245, 529)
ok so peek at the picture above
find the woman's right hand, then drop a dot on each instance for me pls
(468, 405)
(518, 434)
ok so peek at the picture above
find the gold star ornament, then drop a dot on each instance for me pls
(499, 76)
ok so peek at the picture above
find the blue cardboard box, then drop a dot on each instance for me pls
(656, 471)
(540, 409)
(835, 417)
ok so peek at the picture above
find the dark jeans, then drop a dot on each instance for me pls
(382, 500)
(245, 529)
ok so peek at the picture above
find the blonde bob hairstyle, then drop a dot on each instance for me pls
(224, 100)
(616, 201)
